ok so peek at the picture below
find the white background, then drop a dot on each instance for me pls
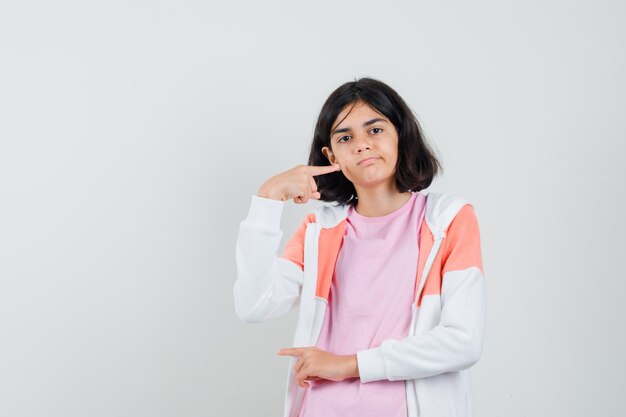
(133, 135)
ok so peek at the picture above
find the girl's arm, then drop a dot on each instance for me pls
(267, 286)
(456, 342)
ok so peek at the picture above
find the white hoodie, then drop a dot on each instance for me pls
(448, 316)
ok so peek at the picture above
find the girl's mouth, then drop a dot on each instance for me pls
(368, 161)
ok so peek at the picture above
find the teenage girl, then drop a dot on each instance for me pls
(369, 155)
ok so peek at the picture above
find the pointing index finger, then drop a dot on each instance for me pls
(290, 352)
(320, 170)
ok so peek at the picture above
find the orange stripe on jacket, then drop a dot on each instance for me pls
(294, 249)
(329, 247)
(462, 243)
(330, 241)
(460, 250)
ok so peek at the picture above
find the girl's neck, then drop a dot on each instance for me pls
(380, 202)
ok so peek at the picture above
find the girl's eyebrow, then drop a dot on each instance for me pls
(369, 122)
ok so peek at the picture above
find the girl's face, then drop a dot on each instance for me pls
(365, 145)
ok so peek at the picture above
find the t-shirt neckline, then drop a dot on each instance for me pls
(352, 213)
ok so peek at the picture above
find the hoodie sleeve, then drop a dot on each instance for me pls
(267, 285)
(456, 342)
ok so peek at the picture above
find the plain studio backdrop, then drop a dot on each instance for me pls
(133, 135)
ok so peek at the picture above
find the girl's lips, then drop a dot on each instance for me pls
(368, 161)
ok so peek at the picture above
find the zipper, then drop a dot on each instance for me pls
(307, 305)
(310, 283)
(412, 400)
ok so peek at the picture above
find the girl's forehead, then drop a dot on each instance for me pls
(359, 105)
(358, 109)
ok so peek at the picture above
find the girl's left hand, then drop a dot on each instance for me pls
(314, 364)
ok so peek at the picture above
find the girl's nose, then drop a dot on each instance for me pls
(361, 142)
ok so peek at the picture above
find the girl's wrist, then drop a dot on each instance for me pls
(352, 366)
(266, 193)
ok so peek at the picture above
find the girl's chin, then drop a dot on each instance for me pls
(371, 182)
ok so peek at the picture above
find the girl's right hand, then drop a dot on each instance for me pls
(296, 183)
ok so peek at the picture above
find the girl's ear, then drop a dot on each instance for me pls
(329, 154)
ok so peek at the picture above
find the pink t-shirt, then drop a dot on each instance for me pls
(370, 300)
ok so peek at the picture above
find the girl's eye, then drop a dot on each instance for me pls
(373, 130)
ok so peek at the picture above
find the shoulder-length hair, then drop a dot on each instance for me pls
(416, 166)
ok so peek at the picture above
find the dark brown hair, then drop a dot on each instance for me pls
(416, 166)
